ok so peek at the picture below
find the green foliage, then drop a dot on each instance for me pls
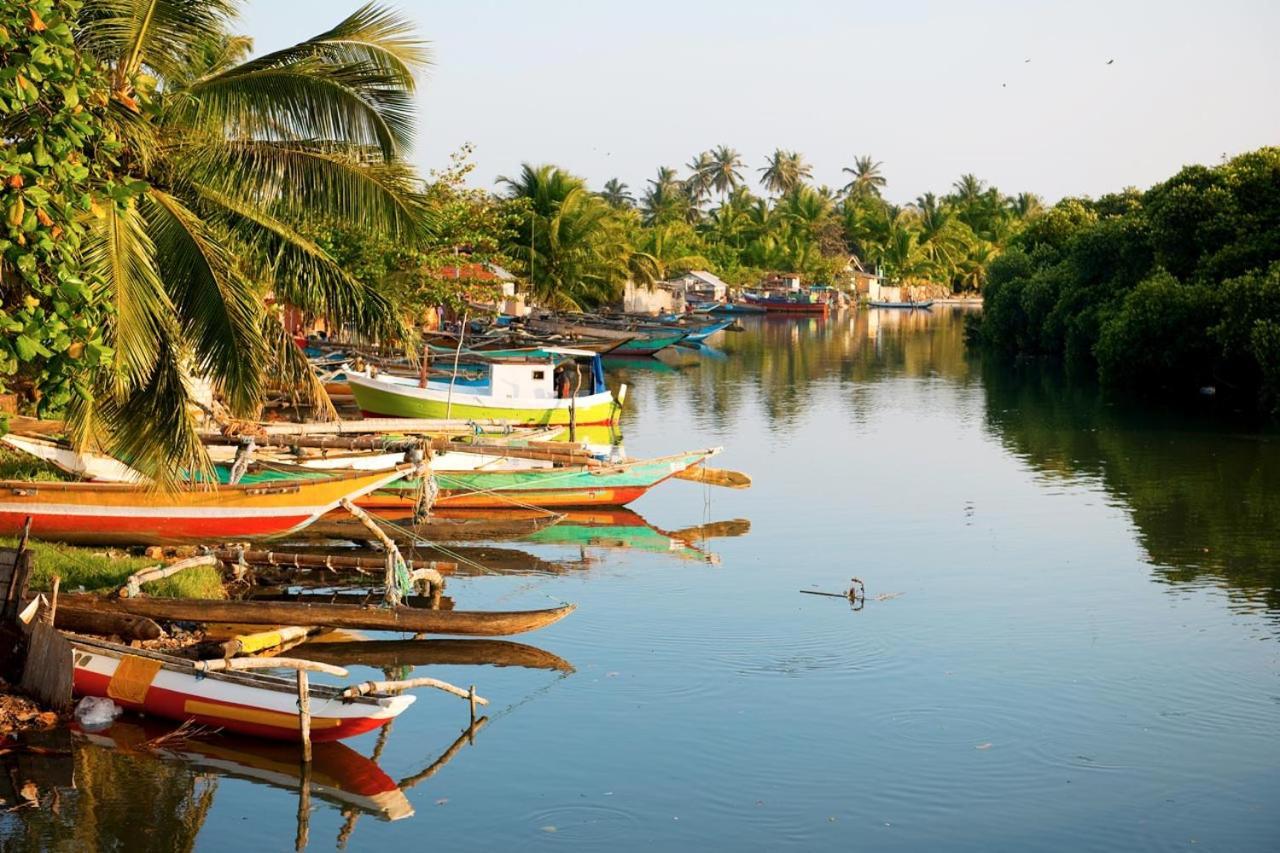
(56, 153)
(203, 171)
(1166, 290)
(571, 245)
(1157, 336)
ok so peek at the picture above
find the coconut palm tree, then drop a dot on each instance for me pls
(784, 171)
(226, 163)
(968, 189)
(616, 194)
(701, 174)
(867, 181)
(571, 244)
(727, 171)
(662, 199)
(1026, 205)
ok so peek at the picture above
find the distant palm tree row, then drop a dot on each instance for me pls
(707, 216)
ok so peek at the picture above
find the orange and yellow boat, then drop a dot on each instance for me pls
(125, 514)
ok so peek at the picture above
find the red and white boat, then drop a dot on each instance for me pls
(251, 703)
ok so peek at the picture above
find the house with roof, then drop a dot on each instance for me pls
(700, 286)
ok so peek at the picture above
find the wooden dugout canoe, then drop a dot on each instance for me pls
(251, 703)
(395, 653)
(122, 514)
(497, 623)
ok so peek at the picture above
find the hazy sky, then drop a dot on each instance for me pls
(616, 89)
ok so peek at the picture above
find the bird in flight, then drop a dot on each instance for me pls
(1109, 61)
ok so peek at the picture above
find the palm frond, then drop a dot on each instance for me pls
(121, 253)
(372, 34)
(290, 368)
(300, 271)
(157, 34)
(223, 309)
(155, 426)
(308, 99)
(303, 181)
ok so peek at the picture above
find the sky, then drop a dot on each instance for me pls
(1018, 93)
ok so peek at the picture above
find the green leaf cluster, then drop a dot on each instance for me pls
(1168, 290)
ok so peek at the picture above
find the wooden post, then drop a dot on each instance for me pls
(304, 715)
(53, 601)
(426, 366)
(471, 696)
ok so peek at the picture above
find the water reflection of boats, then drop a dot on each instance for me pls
(401, 525)
(338, 773)
(624, 528)
(341, 650)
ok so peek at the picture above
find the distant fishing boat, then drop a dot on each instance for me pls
(250, 703)
(516, 392)
(737, 308)
(924, 306)
(638, 341)
(125, 514)
(789, 302)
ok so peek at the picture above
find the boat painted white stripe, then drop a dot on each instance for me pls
(283, 701)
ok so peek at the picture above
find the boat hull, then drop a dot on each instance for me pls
(260, 706)
(784, 307)
(382, 399)
(542, 487)
(909, 306)
(111, 514)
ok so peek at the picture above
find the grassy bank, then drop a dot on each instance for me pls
(105, 569)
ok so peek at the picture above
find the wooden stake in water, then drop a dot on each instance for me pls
(304, 715)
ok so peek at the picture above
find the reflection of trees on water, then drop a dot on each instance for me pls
(779, 361)
(1205, 500)
(120, 802)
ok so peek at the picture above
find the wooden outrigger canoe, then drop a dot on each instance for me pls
(416, 620)
(567, 486)
(251, 703)
(123, 514)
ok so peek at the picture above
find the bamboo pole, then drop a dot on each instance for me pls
(367, 687)
(287, 559)
(462, 334)
(236, 664)
(133, 585)
(432, 577)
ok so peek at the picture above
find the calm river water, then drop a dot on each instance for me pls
(1069, 642)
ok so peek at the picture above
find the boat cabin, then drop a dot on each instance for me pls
(547, 379)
